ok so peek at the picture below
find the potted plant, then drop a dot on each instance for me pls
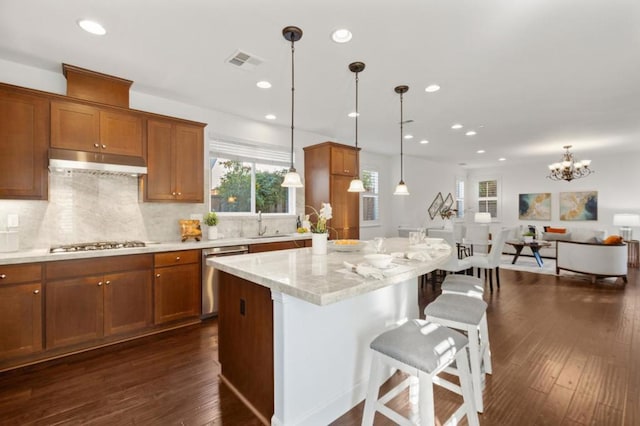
(211, 220)
(528, 237)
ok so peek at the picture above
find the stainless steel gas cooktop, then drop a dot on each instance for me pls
(99, 245)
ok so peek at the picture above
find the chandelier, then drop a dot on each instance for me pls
(569, 169)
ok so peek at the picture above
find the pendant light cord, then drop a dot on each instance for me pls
(292, 97)
(401, 133)
(357, 113)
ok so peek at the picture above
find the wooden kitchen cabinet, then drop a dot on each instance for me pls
(89, 299)
(84, 127)
(177, 285)
(20, 310)
(329, 168)
(175, 161)
(24, 138)
(278, 245)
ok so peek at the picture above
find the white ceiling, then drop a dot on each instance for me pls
(528, 75)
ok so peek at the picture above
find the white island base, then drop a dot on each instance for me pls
(321, 353)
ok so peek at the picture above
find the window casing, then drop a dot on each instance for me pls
(488, 197)
(460, 198)
(247, 179)
(369, 200)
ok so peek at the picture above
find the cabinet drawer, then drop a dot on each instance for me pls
(96, 266)
(13, 274)
(172, 258)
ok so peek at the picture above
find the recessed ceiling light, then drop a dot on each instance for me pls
(342, 35)
(480, 151)
(424, 141)
(270, 117)
(91, 27)
(471, 133)
(354, 114)
(502, 159)
(432, 88)
(408, 136)
(263, 84)
(456, 126)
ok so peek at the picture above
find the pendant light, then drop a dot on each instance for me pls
(292, 178)
(356, 184)
(401, 189)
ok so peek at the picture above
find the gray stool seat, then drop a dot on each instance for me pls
(456, 307)
(463, 288)
(420, 344)
(470, 279)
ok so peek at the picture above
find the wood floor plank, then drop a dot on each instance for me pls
(565, 352)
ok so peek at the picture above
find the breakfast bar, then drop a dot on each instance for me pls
(294, 328)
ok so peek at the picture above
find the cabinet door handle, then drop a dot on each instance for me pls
(173, 193)
(36, 291)
(99, 283)
(2, 276)
(104, 146)
(107, 282)
(179, 193)
(96, 145)
(157, 275)
(177, 258)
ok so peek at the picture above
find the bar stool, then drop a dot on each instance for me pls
(469, 315)
(465, 285)
(423, 350)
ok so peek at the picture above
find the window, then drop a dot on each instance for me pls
(460, 197)
(247, 179)
(370, 208)
(488, 197)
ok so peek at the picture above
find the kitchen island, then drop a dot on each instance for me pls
(294, 328)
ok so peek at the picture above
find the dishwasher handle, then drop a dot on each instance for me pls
(228, 250)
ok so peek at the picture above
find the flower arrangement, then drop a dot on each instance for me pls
(211, 218)
(447, 213)
(325, 214)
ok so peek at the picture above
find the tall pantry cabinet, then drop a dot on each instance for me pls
(329, 168)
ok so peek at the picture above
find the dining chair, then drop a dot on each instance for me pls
(477, 236)
(491, 261)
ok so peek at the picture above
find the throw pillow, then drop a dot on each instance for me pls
(556, 230)
(613, 239)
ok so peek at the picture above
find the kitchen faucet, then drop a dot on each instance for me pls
(261, 231)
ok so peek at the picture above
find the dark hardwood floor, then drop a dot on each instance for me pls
(565, 352)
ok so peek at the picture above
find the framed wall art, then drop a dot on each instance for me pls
(579, 205)
(436, 205)
(534, 206)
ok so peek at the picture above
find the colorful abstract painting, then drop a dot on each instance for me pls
(534, 206)
(579, 205)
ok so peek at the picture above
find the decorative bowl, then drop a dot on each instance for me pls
(378, 260)
(347, 245)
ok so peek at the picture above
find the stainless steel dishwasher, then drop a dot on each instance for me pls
(210, 277)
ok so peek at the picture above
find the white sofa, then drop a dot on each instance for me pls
(597, 260)
(575, 234)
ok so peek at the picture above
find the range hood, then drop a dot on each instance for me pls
(96, 163)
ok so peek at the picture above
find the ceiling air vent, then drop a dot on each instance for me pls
(244, 60)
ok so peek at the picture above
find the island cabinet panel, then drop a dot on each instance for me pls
(175, 162)
(20, 310)
(177, 286)
(91, 299)
(329, 168)
(89, 128)
(245, 341)
(24, 138)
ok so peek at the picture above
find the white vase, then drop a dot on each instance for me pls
(319, 243)
(448, 224)
(213, 232)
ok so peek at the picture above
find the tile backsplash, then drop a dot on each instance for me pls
(85, 207)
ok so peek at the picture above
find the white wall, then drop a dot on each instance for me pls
(425, 179)
(616, 179)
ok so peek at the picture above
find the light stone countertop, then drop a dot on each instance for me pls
(323, 279)
(43, 255)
